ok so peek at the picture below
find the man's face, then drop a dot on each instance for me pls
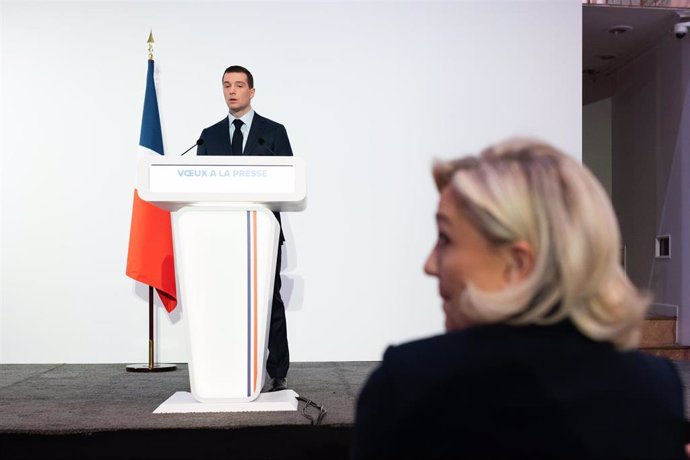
(238, 94)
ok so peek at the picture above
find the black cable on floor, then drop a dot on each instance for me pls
(309, 403)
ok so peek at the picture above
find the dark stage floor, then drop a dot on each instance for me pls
(102, 411)
(87, 410)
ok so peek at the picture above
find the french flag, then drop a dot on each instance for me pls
(150, 256)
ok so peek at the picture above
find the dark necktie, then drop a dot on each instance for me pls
(237, 137)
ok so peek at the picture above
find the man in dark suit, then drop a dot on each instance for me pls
(245, 132)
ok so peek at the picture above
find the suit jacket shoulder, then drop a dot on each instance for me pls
(267, 137)
(537, 391)
(216, 139)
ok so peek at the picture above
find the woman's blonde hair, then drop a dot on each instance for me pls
(525, 190)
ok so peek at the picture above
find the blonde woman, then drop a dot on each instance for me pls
(538, 360)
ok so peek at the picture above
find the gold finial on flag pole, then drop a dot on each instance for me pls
(150, 42)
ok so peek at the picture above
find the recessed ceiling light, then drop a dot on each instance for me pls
(618, 30)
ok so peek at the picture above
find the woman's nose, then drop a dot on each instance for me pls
(430, 267)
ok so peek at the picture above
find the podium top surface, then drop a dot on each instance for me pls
(276, 182)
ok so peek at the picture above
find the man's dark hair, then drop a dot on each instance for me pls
(240, 69)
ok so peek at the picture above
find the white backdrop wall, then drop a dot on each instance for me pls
(370, 93)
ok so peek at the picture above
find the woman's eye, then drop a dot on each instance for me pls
(442, 239)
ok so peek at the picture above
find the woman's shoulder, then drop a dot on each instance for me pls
(542, 348)
(475, 338)
(466, 348)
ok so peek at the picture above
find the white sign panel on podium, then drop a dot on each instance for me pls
(278, 183)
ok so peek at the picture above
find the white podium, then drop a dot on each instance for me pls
(225, 241)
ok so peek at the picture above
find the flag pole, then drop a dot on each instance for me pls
(151, 345)
(151, 366)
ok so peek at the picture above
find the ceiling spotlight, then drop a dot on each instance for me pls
(618, 30)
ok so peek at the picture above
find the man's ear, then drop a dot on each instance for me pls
(520, 264)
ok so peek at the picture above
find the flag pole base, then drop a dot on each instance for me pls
(155, 368)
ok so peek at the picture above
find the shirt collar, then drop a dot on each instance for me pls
(246, 118)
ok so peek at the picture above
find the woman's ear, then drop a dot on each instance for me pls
(520, 264)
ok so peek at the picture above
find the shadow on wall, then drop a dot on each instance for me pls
(292, 289)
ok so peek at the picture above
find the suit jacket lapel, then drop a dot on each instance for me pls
(254, 134)
(225, 137)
